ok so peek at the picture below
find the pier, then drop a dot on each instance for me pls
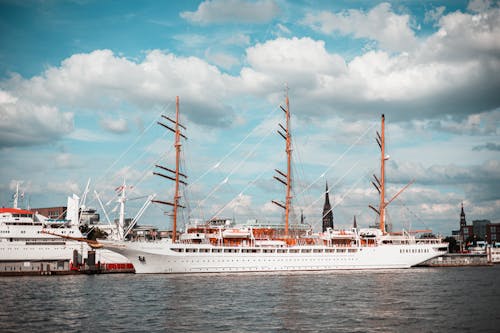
(458, 259)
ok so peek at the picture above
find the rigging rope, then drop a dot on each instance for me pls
(239, 194)
(133, 143)
(234, 169)
(338, 159)
(216, 165)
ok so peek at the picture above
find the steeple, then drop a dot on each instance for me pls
(463, 223)
(327, 211)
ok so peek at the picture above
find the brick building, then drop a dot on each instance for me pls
(51, 212)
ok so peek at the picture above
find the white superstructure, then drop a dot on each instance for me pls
(22, 239)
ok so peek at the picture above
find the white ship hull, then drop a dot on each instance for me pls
(17, 251)
(163, 257)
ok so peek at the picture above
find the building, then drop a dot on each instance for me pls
(327, 212)
(480, 230)
(57, 213)
(89, 216)
(466, 231)
(463, 222)
(479, 227)
(493, 233)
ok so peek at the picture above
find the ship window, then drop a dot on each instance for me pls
(306, 250)
(317, 250)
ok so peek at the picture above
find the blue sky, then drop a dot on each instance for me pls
(82, 84)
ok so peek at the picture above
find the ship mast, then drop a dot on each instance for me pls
(380, 183)
(381, 141)
(177, 161)
(288, 175)
(176, 173)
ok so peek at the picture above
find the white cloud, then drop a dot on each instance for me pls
(26, 123)
(221, 59)
(66, 161)
(453, 71)
(479, 5)
(101, 79)
(392, 31)
(434, 14)
(282, 29)
(233, 11)
(237, 39)
(118, 126)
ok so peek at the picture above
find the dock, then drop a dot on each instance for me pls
(458, 259)
(60, 267)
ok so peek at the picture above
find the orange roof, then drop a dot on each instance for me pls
(15, 211)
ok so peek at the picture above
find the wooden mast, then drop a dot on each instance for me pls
(382, 177)
(176, 173)
(177, 159)
(288, 175)
(379, 184)
(289, 166)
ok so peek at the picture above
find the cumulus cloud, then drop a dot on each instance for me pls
(101, 79)
(221, 59)
(479, 182)
(434, 14)
(25, 123)
(390, 30)
(488, 146)
(479, 5)
(233, 11)
(117, 126)
(455, 71)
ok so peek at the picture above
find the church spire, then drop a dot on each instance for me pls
(463, 223)
(327, 211)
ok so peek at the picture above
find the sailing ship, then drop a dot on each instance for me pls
(214, 247)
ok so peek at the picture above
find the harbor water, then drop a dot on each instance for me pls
(458, 299)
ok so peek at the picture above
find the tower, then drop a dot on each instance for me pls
(327, 212)
(463, 223)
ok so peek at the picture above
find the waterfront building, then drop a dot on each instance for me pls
(493, 233)
(56, 213)
(466, 231)
(479, 227)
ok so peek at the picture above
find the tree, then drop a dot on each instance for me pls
(452, 244)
